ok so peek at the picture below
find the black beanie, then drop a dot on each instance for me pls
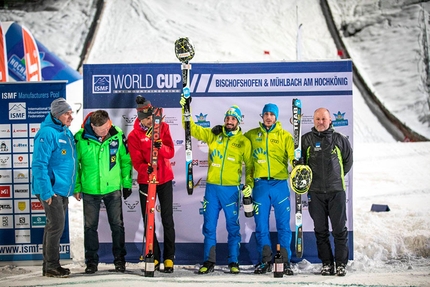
(144, 108)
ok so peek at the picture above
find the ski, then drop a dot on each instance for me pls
(157, 117)
(297, 124)
(185, 52)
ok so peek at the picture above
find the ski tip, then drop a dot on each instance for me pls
(297, 103)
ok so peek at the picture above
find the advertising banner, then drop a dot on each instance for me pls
(23, 107)
(214, 88)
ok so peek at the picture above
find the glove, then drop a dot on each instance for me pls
(216, 130)
(183, 100)
(247, 191)
(126, 192)
(150, 169)
(158, 144)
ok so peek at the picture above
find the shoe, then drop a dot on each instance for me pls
(234, 267)
(120, 267)
(287, 270)
(168, 266)
(340, 270)
(207, 267)
(44, 271)
(156, 265)
(327, 269)
(58, 272)
(263, 268)
(91, 268)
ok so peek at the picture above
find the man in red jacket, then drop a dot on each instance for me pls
(139, 144)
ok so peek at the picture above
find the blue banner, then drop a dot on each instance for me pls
(23, 106)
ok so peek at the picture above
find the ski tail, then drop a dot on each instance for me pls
(151, 198)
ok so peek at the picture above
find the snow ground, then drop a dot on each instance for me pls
(390, 248)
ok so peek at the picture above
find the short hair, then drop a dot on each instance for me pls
(99, 118)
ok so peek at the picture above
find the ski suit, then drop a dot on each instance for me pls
(271, 151)
(225, 157)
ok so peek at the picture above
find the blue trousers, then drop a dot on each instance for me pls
(219, 197)
(268, 193)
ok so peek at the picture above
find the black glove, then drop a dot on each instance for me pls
(216, 130)
(158, 144)
(150, 169)
(126, 192)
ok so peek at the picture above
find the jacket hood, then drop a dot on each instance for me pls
(55, 123)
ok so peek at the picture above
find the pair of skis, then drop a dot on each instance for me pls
(301, 175)
(151, 198)
(185, 52)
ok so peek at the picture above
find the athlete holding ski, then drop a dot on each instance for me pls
(228, 150)
(140, 146)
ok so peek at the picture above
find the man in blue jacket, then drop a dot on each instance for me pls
(54, 173)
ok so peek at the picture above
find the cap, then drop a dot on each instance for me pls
(272, 108)
(59, 106)
(235, 112)
(144, 108)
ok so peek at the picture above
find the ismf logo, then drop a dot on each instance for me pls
(17, 111)
(5, 191)
(101, 84)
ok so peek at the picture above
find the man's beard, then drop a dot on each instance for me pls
(230, 128)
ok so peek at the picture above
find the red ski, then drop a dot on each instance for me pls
(151, 199)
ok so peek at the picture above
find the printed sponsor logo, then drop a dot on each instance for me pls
(36, 206)
(131, 205)
(4, 146)
(5, 191)
(17, 111)
(102, 84)
(38, 221)
(201, 121)
(6, 221)
(340, 119)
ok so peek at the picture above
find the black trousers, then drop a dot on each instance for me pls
(323, 207)
(165, 198)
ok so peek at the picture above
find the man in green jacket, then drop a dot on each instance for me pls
(272, 150)
(104, 168)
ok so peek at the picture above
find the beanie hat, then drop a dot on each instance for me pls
(272, 108)
(144, 108)
(234, 111)
(59, 106)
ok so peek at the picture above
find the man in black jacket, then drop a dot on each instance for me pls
(329, 155)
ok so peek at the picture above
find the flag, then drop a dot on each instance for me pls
(31, 56)
(3, 57)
